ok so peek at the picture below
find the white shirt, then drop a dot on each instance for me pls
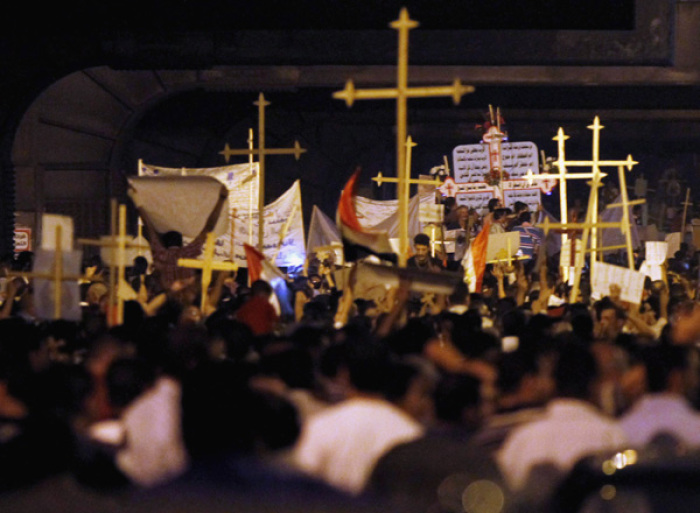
(569, 430)
(660, 413)
(155, 451)
(342, 444)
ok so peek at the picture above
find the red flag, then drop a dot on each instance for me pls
(259, 268)
(357, 240)
(474, 261)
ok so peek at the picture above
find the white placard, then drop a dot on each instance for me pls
(471, 161)
(49, 223)
(656, 252)
(630, 282)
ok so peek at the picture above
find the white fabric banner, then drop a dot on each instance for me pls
(241, 181)
(383, 215)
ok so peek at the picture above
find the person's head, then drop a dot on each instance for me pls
(667, 369)
(493, 204)
(500, 214)
(172, 239)
(575, 372)
(525, 217)
(462, 213)
(140, 265)
(410, 386)
(458, 400)
(421, 245)
(260, 288)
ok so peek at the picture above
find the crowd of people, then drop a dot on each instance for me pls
(411, 402)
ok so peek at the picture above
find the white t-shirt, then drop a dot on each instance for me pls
(655, 414)
(342, 444)
(569, 430)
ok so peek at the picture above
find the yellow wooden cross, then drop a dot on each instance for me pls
(686, 204)
(401, 93)
(261, 152)
(56, 275)
(118, 242)
(626, 203)
(207, 264)
(404, 198)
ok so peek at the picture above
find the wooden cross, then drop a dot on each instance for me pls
(626, 203)
(207, 265)
(404, 198)
(261, 152)
(118, 243)
(401, 93)
(56, 274)
(685, 204)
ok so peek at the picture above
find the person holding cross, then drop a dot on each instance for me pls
(168, 248)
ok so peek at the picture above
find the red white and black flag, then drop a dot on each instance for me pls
(357, 241)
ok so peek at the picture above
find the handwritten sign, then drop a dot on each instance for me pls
(631, 282)
(471, 161)
(530, 196)
(477, 199)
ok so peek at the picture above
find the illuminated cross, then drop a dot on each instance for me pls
(686, 204)
(626, 203)
(56, 274)
(207, 264)
(401, 93)
(261, 152)
(596, 174)
(118, 242)
(404, 198)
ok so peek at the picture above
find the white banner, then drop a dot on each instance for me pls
(383, 215)
(241, 181)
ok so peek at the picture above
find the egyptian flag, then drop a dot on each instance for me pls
(357, 241)
(260, 268)
(474, 261)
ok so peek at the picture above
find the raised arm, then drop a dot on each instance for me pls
(215, 213)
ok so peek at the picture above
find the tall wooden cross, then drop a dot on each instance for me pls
(56, 275)
(686, 204)
(118, 243)
(401, 93)
(625, 205)
(596, 175)
(207, 264)
(261, 152)
(404, 198)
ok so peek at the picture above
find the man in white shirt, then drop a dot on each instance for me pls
(571, 427)
(664, 409)
(342, 444)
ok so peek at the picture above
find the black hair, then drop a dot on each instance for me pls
(421, 239)
(576, 370)
(172, 239)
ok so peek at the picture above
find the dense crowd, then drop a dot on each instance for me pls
(409, 402)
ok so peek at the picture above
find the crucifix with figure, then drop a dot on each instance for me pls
(401, 93)
(261, 151)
